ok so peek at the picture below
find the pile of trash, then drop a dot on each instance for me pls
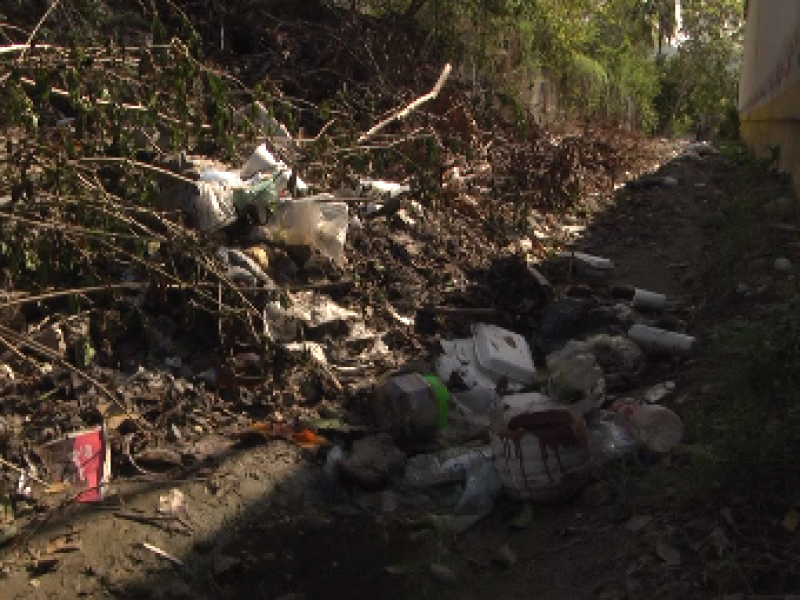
(225, 320)
(483, 418)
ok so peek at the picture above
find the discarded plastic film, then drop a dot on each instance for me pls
(473, 465)
(314, 221)
(82, 461)
(608, 439)
(575, 376)
(211, 208)
(470, 414)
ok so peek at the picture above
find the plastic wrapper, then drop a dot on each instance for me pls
(314, 221)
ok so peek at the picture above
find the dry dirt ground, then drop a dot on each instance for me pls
(266, 522)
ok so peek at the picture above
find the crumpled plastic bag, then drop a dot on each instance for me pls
(312, 221)
(575, 376)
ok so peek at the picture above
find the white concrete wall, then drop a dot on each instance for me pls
(771, 52)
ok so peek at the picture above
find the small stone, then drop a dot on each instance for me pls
(638, 523)
(506, 556)
(223, 564)
(783, 265)
(670, 556)
(441, 573)
(633, 586)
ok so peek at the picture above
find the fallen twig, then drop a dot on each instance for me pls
(401, 114)
(163, 554)
(22, 472)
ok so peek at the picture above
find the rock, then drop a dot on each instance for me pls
(373, 460)
(670, 556)
(506, 556)
(638, 523)
(441, 573)
(658, 392)
(783, 265)
(224, 564)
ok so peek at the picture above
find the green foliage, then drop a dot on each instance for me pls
(701, 78)
(602, 54)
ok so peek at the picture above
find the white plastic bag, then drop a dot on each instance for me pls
(211, 208)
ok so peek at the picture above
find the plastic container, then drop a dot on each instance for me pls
(262, 161)
(657, 427)
(648, 300)
(503, 352)
(542, 452)
(653, 339)
(412, 407)
(493, 353)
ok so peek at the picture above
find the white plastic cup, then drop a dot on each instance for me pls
(653, 339)
(648, 300)
(261, 161)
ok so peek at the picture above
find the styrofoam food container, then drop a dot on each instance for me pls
(503, 352)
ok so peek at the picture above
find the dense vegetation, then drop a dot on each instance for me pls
(611, 58)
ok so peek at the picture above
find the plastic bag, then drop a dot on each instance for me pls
(452, 465)
(309, 222)
(470, 414)
(575, 376)
(471, 465)
(483, 486)
(211, 208)
(608, 439)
